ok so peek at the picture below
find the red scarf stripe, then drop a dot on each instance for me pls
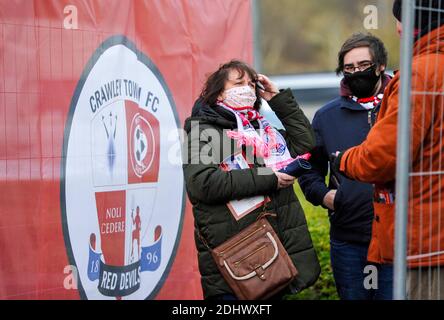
(240, 108)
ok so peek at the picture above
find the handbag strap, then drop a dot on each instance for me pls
(265, 213)
(204, 241)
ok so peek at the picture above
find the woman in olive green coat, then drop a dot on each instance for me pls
(219, 128)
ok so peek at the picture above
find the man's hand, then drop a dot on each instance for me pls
(329, 200)
(284, 180)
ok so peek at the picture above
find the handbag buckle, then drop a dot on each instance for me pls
(260, 272)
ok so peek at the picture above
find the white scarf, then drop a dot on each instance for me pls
(268, 143)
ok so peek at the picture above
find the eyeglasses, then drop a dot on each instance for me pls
(361, 67)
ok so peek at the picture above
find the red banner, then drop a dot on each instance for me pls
(92, 95)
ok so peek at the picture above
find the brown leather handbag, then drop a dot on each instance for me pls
(254, 262)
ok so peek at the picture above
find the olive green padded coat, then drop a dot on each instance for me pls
(209, 189)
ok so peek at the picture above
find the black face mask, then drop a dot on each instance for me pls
(362, 83)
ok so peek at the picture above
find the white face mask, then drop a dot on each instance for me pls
(240, 97)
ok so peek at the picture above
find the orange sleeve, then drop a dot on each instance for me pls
(374, 161)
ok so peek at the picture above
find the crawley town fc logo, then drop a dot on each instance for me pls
(122, 200)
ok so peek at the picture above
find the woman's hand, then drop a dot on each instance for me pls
(270, 88)
(284, 180)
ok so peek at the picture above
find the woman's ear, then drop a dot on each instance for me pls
(221, 97)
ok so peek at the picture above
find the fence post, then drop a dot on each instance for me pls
(403, 152)
(257, 51)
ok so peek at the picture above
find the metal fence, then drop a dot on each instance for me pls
(419, 219)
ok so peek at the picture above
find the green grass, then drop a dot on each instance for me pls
(318, 224)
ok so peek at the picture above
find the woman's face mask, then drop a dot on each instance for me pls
(240, 97)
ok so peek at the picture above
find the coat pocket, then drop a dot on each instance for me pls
(337, 202)
(385, 229)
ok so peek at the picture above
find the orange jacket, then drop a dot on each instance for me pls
(374, 161)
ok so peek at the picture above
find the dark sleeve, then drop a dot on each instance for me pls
(298, 131)
(209, 184)
(313, 183)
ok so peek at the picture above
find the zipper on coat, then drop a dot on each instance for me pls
(372, 114)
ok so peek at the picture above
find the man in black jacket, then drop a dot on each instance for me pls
(339, 125)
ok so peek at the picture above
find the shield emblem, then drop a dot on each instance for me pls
(143, 151)
(121, 233)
